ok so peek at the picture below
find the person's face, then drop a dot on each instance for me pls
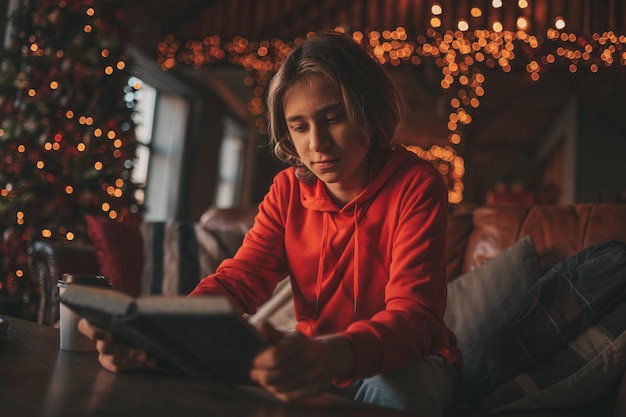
(326, 141)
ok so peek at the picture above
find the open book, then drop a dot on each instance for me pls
(202, 336)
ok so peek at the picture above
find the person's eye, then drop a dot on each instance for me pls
(334, 118)
(301, 127)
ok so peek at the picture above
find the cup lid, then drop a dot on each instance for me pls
(85, 279)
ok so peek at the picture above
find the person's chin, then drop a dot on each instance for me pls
(328, 177)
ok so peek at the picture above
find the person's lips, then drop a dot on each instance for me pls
(326, 163)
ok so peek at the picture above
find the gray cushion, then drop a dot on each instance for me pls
(576, 375)
(480, 300)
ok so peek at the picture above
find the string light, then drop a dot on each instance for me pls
(459, 54)
(559, 23)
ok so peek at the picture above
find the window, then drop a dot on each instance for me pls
(161, 121)
(145, 99)
(231, 163)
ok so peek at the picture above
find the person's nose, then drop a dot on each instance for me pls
(320, 138)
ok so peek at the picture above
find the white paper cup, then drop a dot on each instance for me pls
(70, 337)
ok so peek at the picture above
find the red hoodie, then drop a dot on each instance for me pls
(372, 270)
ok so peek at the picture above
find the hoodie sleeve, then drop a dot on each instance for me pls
(249, 278)
(411, 325)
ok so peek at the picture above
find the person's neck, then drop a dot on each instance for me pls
(342, 193)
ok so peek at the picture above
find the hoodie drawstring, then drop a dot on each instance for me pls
(320, 267)
(356, 256)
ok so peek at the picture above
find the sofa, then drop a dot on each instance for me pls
(584, 374)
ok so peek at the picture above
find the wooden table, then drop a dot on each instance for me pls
(39, 380)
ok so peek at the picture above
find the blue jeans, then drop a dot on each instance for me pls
(424, 387)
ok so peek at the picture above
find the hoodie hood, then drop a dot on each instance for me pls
(315, 197)
(387, 161)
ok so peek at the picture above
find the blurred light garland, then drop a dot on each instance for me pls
(461, 55)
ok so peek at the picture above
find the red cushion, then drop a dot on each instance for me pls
(119, 249)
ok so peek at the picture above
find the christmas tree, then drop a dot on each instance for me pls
(66, 133)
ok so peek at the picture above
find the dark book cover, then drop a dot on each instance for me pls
(202, 336)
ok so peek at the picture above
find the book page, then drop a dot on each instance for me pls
(105, 300)
(183, 305)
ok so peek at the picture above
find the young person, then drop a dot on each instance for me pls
(359, 227)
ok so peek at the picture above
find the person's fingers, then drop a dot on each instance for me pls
(93, 332)
(288, 348)
(269, 333)
(295, 379)
(308, 391)
(117, 357)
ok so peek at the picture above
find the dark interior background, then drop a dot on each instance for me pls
(507, 142)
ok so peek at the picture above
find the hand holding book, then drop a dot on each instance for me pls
(202, 336)
(113, 355)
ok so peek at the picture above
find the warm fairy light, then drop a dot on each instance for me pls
(117, 143)
(40, 164)
(32, 92)
(559, 23)
(54, 85)
(105, 207)
(81, 147)
(69, 114)
(97, 132)
(90, 11)
(111, 134)
(449, 162)
(47, 146)
(97, 165)
(21, 148)
(105, 53)
(459, 53)
(46, 233)
(522, 23)
(121, 65)
(108, 70)
(113, 214)
(532, 66)
(69, 236)
(522, 4)
(19, 273)
(69, 189)
(87, 29)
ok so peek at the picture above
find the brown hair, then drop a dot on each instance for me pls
(371, 98)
